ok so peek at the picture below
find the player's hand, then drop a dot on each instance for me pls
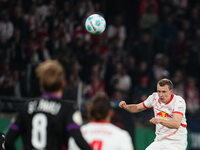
(155, 120)
(123, 105)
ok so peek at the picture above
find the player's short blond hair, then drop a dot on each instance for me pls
(51, 75)
(167, 82)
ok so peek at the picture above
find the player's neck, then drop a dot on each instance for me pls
(169, 100)
(107, 119)
(57, 94)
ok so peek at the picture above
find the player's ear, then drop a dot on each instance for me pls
(171, 91)
(111, 113)
(63, 83)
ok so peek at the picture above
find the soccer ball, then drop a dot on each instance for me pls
(95, 24)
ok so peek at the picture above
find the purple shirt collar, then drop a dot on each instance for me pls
(48, 95)
(14, 127)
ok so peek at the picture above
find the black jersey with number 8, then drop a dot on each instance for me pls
(43, 124)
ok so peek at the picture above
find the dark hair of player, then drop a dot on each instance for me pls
(99, 108)
(167, 82)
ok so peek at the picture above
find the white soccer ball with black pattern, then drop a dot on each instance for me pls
(95, 24)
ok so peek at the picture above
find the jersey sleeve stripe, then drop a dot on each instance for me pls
(171, 133)
(72, 126)
(178, 112)
(14, 127)
(145, 106)
(183, 125)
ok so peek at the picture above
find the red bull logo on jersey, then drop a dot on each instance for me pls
(163, 115)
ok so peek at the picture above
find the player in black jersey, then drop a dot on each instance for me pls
(46, 123)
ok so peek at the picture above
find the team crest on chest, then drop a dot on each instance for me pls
(163, 115)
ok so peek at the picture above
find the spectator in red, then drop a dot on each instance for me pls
(144, 5)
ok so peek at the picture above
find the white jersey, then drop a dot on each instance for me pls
(104, 136)
(165, 111)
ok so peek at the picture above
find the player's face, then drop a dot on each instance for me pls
(164, 93)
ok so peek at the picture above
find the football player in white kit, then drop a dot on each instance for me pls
(169, 110)
(99, 132)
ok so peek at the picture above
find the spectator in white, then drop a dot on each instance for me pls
(44, 52)
(149, 19)
(117, 30)
(41, 11)
(6, 28)
(99, 132)
(121, 80)
(159, 71)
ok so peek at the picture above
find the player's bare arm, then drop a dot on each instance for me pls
(132, 108)
(173, 124)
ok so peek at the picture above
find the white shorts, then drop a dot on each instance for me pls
(168, 144)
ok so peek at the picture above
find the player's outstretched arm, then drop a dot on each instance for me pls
(132, 108)
(173, 124)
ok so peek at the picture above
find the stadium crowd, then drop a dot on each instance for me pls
(160, 39)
